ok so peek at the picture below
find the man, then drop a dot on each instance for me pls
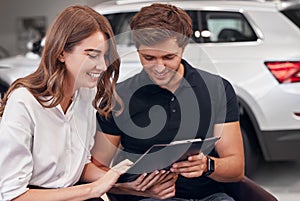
(170, 100)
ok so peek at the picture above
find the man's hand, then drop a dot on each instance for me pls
(158, 184)
(193, 167)
(163, 189)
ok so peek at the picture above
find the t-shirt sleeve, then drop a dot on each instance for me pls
(107, 125)
(229, 105)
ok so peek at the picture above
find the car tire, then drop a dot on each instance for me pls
(252, 152)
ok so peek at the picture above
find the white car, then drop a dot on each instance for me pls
(12, 68)
(255, 45)
(252, 44)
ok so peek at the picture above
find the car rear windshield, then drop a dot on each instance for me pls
(293, 13)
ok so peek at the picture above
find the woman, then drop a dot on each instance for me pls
(48, 117)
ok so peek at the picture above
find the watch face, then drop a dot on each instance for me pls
(210, 166)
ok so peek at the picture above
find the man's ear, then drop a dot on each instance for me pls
(61, 57)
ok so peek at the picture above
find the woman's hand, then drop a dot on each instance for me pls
(193, 167)
(106, 182)
(123, 166)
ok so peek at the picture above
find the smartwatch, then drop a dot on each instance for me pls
(210, 166)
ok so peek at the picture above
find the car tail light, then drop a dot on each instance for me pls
(285, 71)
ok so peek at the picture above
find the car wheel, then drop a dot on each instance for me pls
(251, 151)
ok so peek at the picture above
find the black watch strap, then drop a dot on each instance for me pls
(210, 166)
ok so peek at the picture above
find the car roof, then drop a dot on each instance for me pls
(133, 6)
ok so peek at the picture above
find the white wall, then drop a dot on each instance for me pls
(11, 10)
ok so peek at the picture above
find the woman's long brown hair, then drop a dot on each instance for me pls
(73, 25)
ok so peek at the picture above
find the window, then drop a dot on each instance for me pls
(208, 26)
(293, 14)
(220, 26)
(121, 27)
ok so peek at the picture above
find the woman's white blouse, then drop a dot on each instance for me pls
(43, 146)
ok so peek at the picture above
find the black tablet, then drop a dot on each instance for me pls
(162, 156)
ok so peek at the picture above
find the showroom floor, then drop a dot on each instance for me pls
(282, 179)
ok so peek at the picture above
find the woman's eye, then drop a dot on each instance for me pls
(93, 56)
